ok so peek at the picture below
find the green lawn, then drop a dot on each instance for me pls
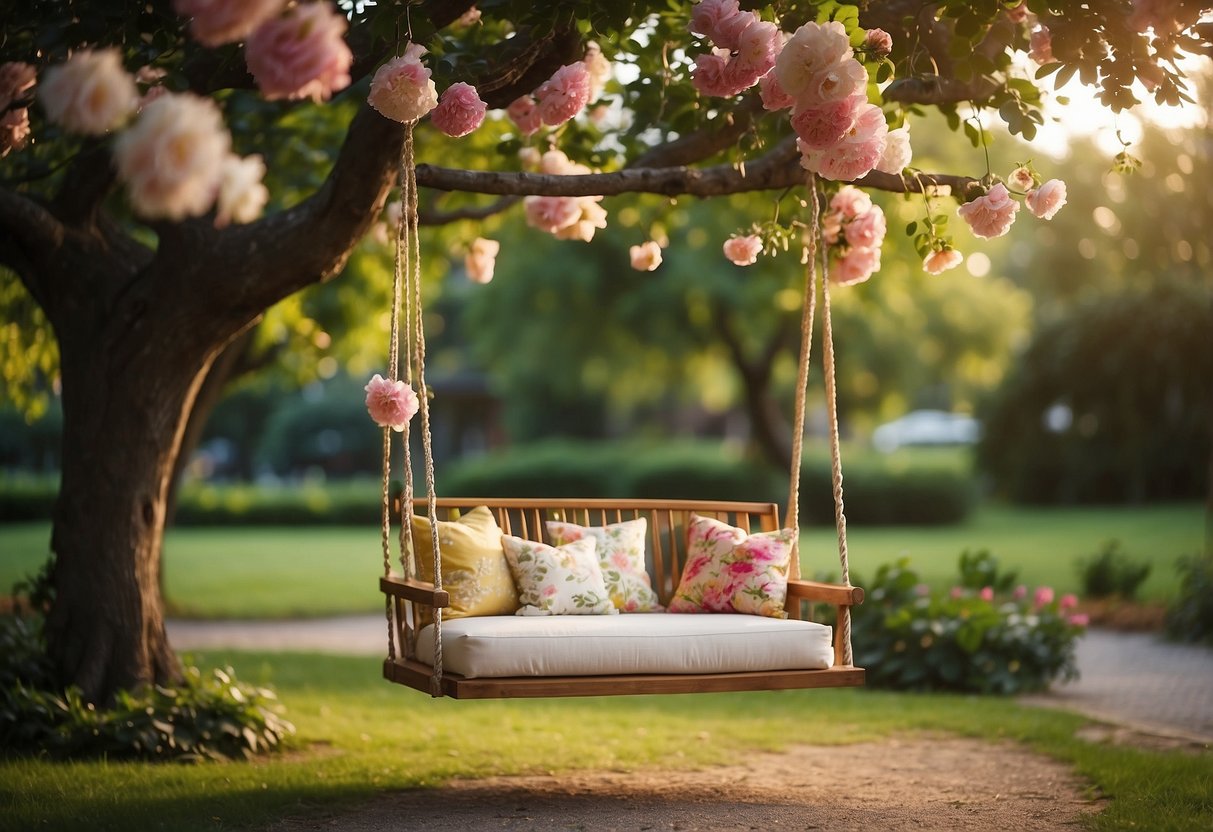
(316, 571)
(358, 735)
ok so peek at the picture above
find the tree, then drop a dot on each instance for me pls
(143, 296)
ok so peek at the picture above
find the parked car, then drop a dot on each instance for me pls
(927, 427)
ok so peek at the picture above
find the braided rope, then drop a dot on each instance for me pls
(408, 563)
(840, 518)
(808, 311)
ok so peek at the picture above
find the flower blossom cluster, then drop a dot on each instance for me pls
(90, 93)
(391, 403)
(853, 229)
(562, 96)
(216, 22)
(992, 213)
(300, 54)
(566, 217)
(16, 80)
(459, 110)
(745, 48)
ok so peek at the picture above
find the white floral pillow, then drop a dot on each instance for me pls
(557, 580)
(621, 556)
(729, 570)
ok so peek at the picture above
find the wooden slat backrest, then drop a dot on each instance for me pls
(667, 522)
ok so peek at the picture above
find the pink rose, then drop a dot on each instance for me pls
(938, 262)
(216, 22)
(300, 54)
(242, 197)
(868, 229)
(856, 155)
(987, 593)
(856, 266)
(709, 19)
(710, 75)
(824, 125)
(481, 260)
(564, 95)
(1046, 201)
(551, 213)
(897, 152)
(459, 110)
(91, 93)
(773, 96)
(1041, 46)
(850, 202)
(743, 251)
(1021, 179)
(813, 52)
(757, 47)
(878, 42)
(991, 215)
(390, 403)
(1080, 619)
(1068, 601)
(598, 67)
(402, 89)
(172, 158)
(525, 115)
(1044, 595)
(646, 257)
(591, 216)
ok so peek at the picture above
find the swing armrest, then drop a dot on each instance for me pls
(421, 592)
(829, 593)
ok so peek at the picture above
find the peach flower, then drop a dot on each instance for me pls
(743, 251)
(646, 257)
(459, 110)
(856, 266)
(1021, 179)
(1046, 201)
(991, 215)
(216, 22)
(300, 54)
(598, 67)
(91, 93)
(564, 95)
(591, 217)
(551, 213)
(481, 260)
(938, 262)
(390, 403)
(525, 115)
(242, 197)
(529, 157)
(172, 158)
(897, 151)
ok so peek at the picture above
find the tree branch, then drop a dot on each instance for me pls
(697, 146)
(434, 217)
(29, 234)
(89, 179)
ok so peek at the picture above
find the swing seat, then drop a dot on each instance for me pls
(496, 657)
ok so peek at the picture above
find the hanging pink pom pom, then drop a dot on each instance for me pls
(459, 110)
(390, 403)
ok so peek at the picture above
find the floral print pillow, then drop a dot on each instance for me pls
(621, 556)
(728, 570)
(557, 580)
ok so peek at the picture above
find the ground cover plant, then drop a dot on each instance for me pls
(357, 735)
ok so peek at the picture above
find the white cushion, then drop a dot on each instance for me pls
(599, 645)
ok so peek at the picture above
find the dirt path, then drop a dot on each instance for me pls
(939, 784)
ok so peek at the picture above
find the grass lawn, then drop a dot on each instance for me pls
(316, 571)
(358, 734)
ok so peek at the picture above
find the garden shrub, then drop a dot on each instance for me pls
(909, 638)
(1190, 617)
(980, 569)
(695, 472)
(549, 469)
(1112, 572)
(876, 493)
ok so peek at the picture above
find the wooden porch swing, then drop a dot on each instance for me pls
(409, 601)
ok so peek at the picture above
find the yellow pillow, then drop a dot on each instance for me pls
(474, 569)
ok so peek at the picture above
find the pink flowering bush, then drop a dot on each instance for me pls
(646, 257)
(990, 215)
(401, 89)
(853, 228)
(391, 403)
(743, 250)
(459, 110)
(564, 95)
(301, 54)
(216, 22)
(90, 93)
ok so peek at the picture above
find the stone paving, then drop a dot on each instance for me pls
(1133, 680)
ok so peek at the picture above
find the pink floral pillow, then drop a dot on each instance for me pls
(621, 556)
(728, 570)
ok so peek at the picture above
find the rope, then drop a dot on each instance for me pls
(413, 270)
(408, 564)
(808, 311)
(840, 518)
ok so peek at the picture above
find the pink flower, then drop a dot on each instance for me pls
(459, 111)
(549, 590)
(957, 592)
(939, 261)
(991, 215)
(856, 266)
(216, 22)
(742, 567)
(878, 42)
(390, 403)
(721, 21)
(1041, 46)
(773, 96)
(897, 151)
(242, 197)
(14, 130)
(525, 115)
(1021, 179)
(824, 125)
(922, 590)
(481, 260)
(551, 213)
(743, 251)
(857, 154)
(1046, 201)
(710, 75)
(1018, 14)
(757, 47)
(1044, 595)
(598, 67)
(90, 94)
(172, 158)
(402, 89)
(987, 593)
(529, 158)
(301, 54)
(868, 229)
(850, 202)
(1157, 15)
(1020, 593)
(1080, 619)
(16, 78)
(620, 559)
(1068, 601)
(814, 62)
(591, 216)
(646, 257)
(564, 95)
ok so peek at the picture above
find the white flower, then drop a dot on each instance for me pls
(90, 94)
(242, 197)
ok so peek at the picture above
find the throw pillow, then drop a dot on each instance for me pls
(730, 570)
(474, 569)
(557, 580)
(621, 556)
